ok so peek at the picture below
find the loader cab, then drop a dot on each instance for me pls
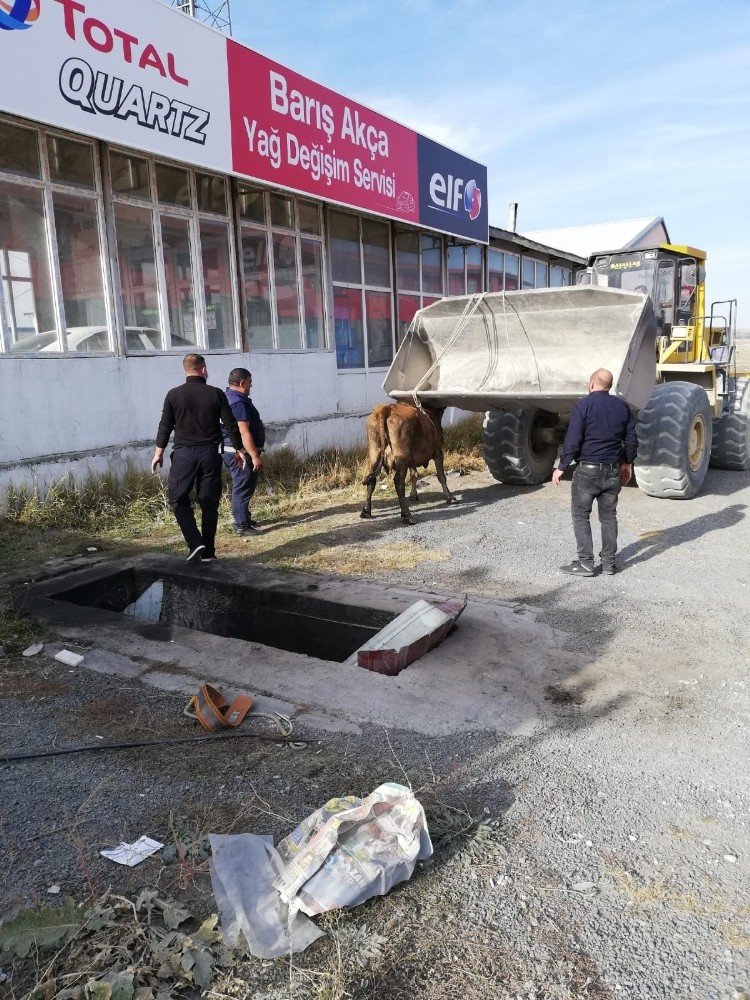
(672, 277)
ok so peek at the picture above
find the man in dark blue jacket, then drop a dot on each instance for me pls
(253, 434)
(601, 440)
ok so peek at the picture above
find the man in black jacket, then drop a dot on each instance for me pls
(601, 440)
(195, 412)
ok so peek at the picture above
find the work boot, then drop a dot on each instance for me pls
(246, 529)
(577, 568)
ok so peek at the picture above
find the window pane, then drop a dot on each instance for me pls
(135, 251)
(70, 162)
(511, 272)
(541, 275)
(178, 271)
(347, 313)
(80, 258)
(285, 283)
(282, 211)
(426, 301)
(129, 175)
(345, 259)
(257, 289)
(495, 266)
(19, 152)
(407, 308)
(432, 264)
(173, 185)
(312, 293)
(556, 276)
(309, 218)
(456, 279)
(217, 285)
(528, 272)
(379, 328)
(407, 261)
(25, 270)
(212, 193)
(252, 205)
(474, 270)
(377, 255)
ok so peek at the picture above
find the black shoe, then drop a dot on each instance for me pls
(245, 529)
(609, 570)
(205, 559)
(196, 554)
(577, 568)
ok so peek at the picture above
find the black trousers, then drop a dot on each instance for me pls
(603, 485)
(198, 466)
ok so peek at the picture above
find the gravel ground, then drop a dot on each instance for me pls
(620, 864)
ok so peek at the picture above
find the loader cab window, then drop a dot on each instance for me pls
(664, 301)
(630, 272)
(686, 291)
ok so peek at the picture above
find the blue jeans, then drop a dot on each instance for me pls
(244, 482)
(601, 483)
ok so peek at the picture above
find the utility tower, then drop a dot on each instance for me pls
(215, 13)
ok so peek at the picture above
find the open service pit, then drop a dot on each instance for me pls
(489, 673)
(290, 618)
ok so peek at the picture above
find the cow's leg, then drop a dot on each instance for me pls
(399, 481)
(370, 481)
(449, 498)
(413, 498)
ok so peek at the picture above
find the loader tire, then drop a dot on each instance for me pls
(731, 444)
(674, 441)
(512, 449)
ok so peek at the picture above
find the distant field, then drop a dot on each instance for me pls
(743, 353)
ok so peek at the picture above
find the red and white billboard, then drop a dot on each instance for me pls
(289, 131)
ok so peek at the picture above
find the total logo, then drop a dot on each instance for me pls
(17, 15)
(450, 193)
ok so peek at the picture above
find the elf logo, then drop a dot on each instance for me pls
(451, 195)
(18, 14)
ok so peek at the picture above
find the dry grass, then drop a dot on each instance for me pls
(128, 512)
(367, 560)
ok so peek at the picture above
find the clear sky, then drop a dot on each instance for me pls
(583, 112)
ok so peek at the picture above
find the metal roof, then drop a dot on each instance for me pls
(605, 236)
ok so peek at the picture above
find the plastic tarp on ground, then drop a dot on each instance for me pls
(532, 348)
(344, 853)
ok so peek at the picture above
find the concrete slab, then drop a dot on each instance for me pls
(491, 673)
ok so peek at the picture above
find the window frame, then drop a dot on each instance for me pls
(193, 216)
(268, 229)
(49, 188)
(364, 288)
(419, 293)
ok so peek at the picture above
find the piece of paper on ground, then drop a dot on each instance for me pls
(132, 854)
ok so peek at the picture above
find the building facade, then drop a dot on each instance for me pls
(237, 210)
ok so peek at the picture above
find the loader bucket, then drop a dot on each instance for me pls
(527, 349)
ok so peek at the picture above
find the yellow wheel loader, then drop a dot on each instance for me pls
(524, 358)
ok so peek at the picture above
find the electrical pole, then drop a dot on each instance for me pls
(214, 13)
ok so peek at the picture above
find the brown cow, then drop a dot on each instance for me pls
(399, 439)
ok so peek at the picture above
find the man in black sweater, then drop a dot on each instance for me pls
(195, 411)
(601, 440)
